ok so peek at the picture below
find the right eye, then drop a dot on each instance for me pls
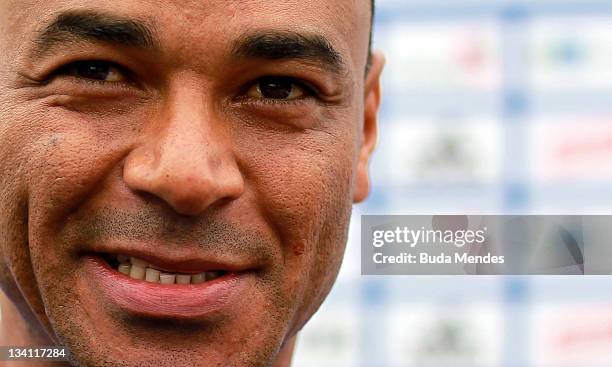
(101, 71)
(277, 88)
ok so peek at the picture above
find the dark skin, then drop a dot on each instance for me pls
(192, 128)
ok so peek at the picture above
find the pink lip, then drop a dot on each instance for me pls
(160, 300)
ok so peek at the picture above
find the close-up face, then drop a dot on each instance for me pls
(177, 177)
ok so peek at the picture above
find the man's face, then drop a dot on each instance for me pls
(208, 140)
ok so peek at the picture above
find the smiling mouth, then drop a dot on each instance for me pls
(154, 286)
(140, 269)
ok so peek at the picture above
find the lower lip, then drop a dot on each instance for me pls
(184, 301)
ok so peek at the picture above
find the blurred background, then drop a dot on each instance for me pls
(490, 107)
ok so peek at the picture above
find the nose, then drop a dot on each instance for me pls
(186, 157)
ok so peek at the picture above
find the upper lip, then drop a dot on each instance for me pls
(184, 260)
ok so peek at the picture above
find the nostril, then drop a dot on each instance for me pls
(196, 195)
(188, 183)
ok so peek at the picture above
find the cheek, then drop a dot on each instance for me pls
(68, 158)
(303, 185)
(56, 162)
(36, 179)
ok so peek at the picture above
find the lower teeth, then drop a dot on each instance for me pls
(139, 269)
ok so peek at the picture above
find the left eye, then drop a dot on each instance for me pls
(95, 70)
(277, 88)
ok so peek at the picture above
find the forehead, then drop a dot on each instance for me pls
(187, 27)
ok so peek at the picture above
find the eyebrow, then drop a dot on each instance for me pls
(75, 26)
(280, 45)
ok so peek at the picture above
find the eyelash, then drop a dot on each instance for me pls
(310, 91)
(64, 71)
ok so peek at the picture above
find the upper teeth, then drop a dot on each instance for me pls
(140, 269)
